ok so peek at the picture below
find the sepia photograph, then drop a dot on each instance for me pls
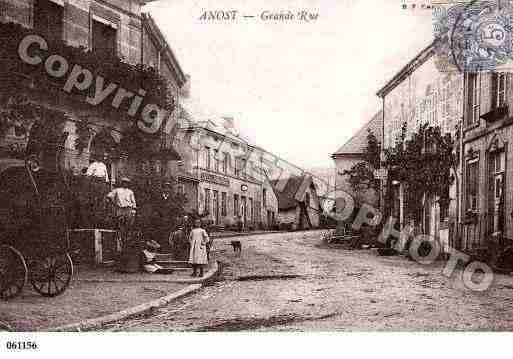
(292, 168)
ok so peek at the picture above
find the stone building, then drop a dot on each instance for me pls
(353, 152)
(298, 202)
(418, 94)
(487, 163)
(230, 182)
(84, 32)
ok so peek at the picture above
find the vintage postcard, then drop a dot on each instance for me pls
(172, 166)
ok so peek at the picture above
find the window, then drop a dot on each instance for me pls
(307, 200)
(158, 167)
(243, 168)
(207, 201)
(215, 206)
(49, 19)
(237, 167)
(444, 204)
(498, 90)
(225, 162)
(251, 209)
(472, 184)
(223, 204)
(207, 158)
(216, 160)
(473, 99)
(236, 205)
(264, 197)
(104, 38)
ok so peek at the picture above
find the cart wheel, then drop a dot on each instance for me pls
(13, 272)
(50, 276)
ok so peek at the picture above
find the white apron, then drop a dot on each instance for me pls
(198, 240)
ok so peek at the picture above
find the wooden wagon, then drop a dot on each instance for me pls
(34, 210)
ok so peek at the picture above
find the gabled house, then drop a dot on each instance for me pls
(298, 202)
(353, 152)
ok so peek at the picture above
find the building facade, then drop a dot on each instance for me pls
(112, 29)
(420, 94)
(230, 186)
(487, 163)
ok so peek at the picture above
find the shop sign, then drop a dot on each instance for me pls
(212, 178)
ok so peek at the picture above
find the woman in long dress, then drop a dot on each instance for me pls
(198, 240)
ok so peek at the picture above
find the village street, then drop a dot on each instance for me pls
(292, 281)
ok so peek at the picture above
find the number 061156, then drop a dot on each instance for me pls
(12, 345)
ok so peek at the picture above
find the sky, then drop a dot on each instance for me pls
(298, 89)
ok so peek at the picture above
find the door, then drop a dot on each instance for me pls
(496, 192)
(244, 210)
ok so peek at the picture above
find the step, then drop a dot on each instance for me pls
(172, 264)
(174, 269)
(164, 257)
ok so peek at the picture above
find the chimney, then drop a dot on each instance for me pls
(229, 125)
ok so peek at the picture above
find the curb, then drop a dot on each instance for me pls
(5, 327)
(141, 308)
(208, 275)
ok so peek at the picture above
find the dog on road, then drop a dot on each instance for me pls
(237, 246)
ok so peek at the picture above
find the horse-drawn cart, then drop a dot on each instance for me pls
(34, 212)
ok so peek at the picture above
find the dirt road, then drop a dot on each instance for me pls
(292, 281)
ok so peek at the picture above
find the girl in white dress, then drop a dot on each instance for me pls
(198, 240)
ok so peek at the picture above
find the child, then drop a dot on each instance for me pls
(198, 240)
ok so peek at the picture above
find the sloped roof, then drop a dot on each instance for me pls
(208, 119)
(168, 53)
(358, 143)
(288, 197)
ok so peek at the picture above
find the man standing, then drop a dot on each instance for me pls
(164, 212)
(179, 240)
(125, 206)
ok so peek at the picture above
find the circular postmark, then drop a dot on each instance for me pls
(473, 37)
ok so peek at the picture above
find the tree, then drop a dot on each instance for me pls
(422, 163)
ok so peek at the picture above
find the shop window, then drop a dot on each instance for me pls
(472, 184)
(104, 38)
(49, 18)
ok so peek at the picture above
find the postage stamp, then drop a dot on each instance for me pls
(474, 36)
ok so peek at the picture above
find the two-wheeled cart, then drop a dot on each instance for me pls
(34, 211)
